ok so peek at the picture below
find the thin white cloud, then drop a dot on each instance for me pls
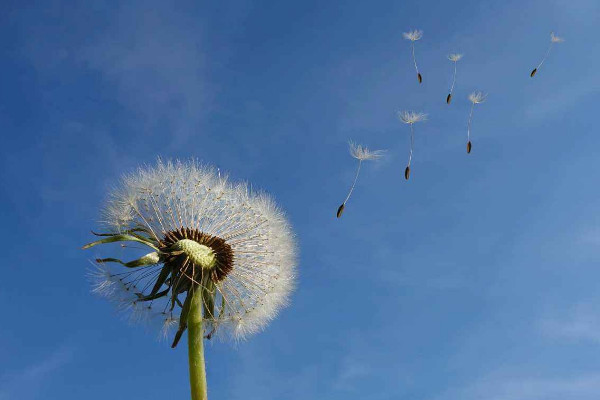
(591, 237)
(152, 54)
(26, 383)
(555, 104)
(580, 387)
(351, 371)
(579, 324)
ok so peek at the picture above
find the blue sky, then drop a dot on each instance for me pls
(477, 279)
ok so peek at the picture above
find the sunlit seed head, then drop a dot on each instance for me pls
(454, 57)
(410, 117)
(362, 153)
(555, 39)
(413, 35)
(477, 97)
(195, 218)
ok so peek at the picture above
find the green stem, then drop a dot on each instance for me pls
(196, 347)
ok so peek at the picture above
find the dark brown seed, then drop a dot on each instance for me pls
(340, 210)
(420, 77)
(449, 98)
(468, 147)
(407, 173)
(533, 72)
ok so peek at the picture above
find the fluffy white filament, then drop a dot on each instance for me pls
(189, 195)
(362, 153)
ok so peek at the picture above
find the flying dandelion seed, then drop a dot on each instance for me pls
(411, 117)
(361, 153)
(553, 39)
(222, 258)
(413, 36)
(475, 98)
(454, 57)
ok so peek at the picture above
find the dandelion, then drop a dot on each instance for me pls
(454, 57)
(411, 117)
(361, 153)
(413, 36)
(221, 261)
(475, 98)
(553, 39)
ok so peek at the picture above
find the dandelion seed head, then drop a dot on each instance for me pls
(413, 35)
(454, 57)
(477, 97)
(184, 207)
(410, 117)
(362, 153)
(555, 39)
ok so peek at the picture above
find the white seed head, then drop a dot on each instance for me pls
(477, 97)
(555, 39)
(410, 117)
(413, 35)
(362, 153)
(186, 195)
(454, 57)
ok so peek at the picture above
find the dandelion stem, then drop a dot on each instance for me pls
(453, 79)
(469, 124)
(412, 142)
(414, 58)
(196, 346)
(545, 56)
(353, 183)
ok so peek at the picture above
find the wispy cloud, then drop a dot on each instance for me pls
(153, 56)
(578, 324)
(26, 383)
(591, 236)
(150, 57)
(580, 387)
(558, 102)
(350, 372)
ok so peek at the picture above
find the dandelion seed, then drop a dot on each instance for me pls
(413, 36)
(411, 117)
(553, 39)
(475, 98)
(169, 324)
(454, 57)
(222, 260)
(361, 153)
